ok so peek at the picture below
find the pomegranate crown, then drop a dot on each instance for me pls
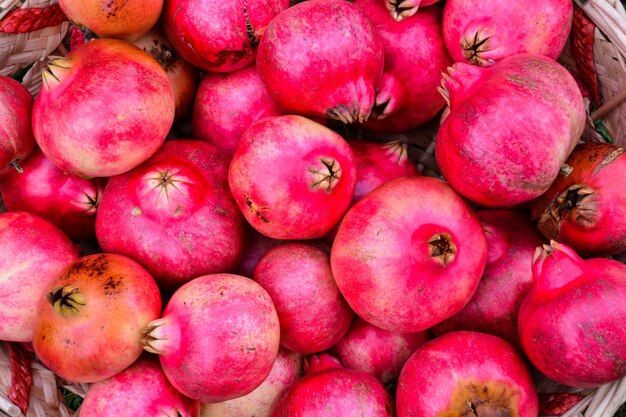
(555, 265)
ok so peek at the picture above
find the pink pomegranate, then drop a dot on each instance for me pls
(119, 102)
(510, 128)
(89, 324)
(292, 178)
(140, 390)
(401, 9)
(256, 246)
(572, 320)
(16, 136)
(328, 388)
(313, 315)
(286, 370)
(179, 196)
(219, 36)
(68, 201)
(376, 351)
(484, 33)
(585, 207)
(227, 104)
(33, 252)
(511, 243)
(322, 58)
(183, 76)
(218, 337)
(409, 255)
(466, 373)
(406, 95)
(378, 163)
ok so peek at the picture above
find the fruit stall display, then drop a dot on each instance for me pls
(407, 208)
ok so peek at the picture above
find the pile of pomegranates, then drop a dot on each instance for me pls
(224, 217)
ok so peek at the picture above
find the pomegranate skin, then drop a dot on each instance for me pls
(586, 209)
(124, 19)
(464, 371)
(571, 321)
(227, 104)
(292, 178)
(179, 196)
(401, 9)
(378, 163)
(219, 36)
(487, 32)
(16, 137)
(89, 324)
(120, 104)
(406, 95)
(322, 58)
(327, 386)
(140, 390)
(67, 201)
(409, 255)
(509, 130)
(218, 337)
(376, 351)
(34, 252)
(511, 243)
(313, 315)
(286, 370)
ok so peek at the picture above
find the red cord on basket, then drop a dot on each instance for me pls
(31, 19)
(583, 38)
(558, 403)
(21, 377)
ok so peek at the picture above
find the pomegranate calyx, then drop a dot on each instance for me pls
(577, 201)
(170, 411)
(56, 71)
(66, 300)
(482, 399)
(442, 249)
(320, 362)
(398, 150)
(473, 48)
(325, 174)
(458, 82)
(556, 265)
(346, 115)
(158, 337)
(15, 164)
(400, 9)
(389, 95)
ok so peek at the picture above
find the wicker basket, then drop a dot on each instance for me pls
(596, 54)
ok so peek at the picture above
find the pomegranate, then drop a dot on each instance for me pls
(313, 315)
(68, 201)
(466, 373)
(286, 370)
(183, 76)
(227, 104)
(140, 390)
(376, 351)
(218, 337)
(378, 163)
(256, 246)
(409, 255)
(322, 58)
(34, 252)
(585, 207)
(328, 388)
(510, 128)
(572, 320)
(292, 178)
(511, 243)
(484, 33)
(401, 9)
(125, 19)
(16, 136)
(120, 104)
(219, 36)
(179, 196)
(406, 95)
(89, 326)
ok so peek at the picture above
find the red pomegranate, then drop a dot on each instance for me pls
(179, 196)
(256, 246)
(292, 177)
(572, 321)
(409, 255)
(509, 130)
(16, 136)
(406, 95)
(219, 36)
(322, 58)
(103, 109)
(585, 207)
(466, 373)
(68, 201)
